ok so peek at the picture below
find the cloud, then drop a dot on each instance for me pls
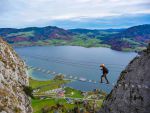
(22, 13)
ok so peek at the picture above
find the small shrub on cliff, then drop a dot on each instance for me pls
(28, 90)
(59, 77)
(17, 110)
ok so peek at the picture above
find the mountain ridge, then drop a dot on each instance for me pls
(133, 38)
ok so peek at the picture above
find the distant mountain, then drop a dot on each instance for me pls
(95, 33)
(131, 38)
(33, 34)
(134, 38)
(55, 36)
(80, 30)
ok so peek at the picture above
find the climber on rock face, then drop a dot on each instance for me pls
(105, 72)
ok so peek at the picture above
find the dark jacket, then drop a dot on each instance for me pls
(105, 70)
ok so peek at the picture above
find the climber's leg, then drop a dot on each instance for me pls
(105, 76)
(101, 81)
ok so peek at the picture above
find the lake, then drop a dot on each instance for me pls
(77, 61)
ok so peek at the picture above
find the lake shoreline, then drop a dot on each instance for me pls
(124, 50)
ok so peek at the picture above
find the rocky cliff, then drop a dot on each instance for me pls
(13, 79)
(132, 92)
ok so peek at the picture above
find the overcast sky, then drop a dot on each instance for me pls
(74, 13)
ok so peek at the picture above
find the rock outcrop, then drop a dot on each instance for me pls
(132, 92)
(13, 79)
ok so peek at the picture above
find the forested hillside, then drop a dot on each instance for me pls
(131, 39)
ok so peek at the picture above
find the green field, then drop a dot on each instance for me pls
(46, 85)
(49, 104)
(38, 104)
(70, 92)
(57, 42)
(55, 83)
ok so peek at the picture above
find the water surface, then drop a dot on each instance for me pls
(77, 61)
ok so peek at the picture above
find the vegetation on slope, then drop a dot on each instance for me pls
(134, 38)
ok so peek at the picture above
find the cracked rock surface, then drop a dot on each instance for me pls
(132, 97)
(13, 76)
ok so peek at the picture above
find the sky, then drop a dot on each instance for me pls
(68, 14)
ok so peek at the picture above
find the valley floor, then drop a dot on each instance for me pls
(51, 96)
